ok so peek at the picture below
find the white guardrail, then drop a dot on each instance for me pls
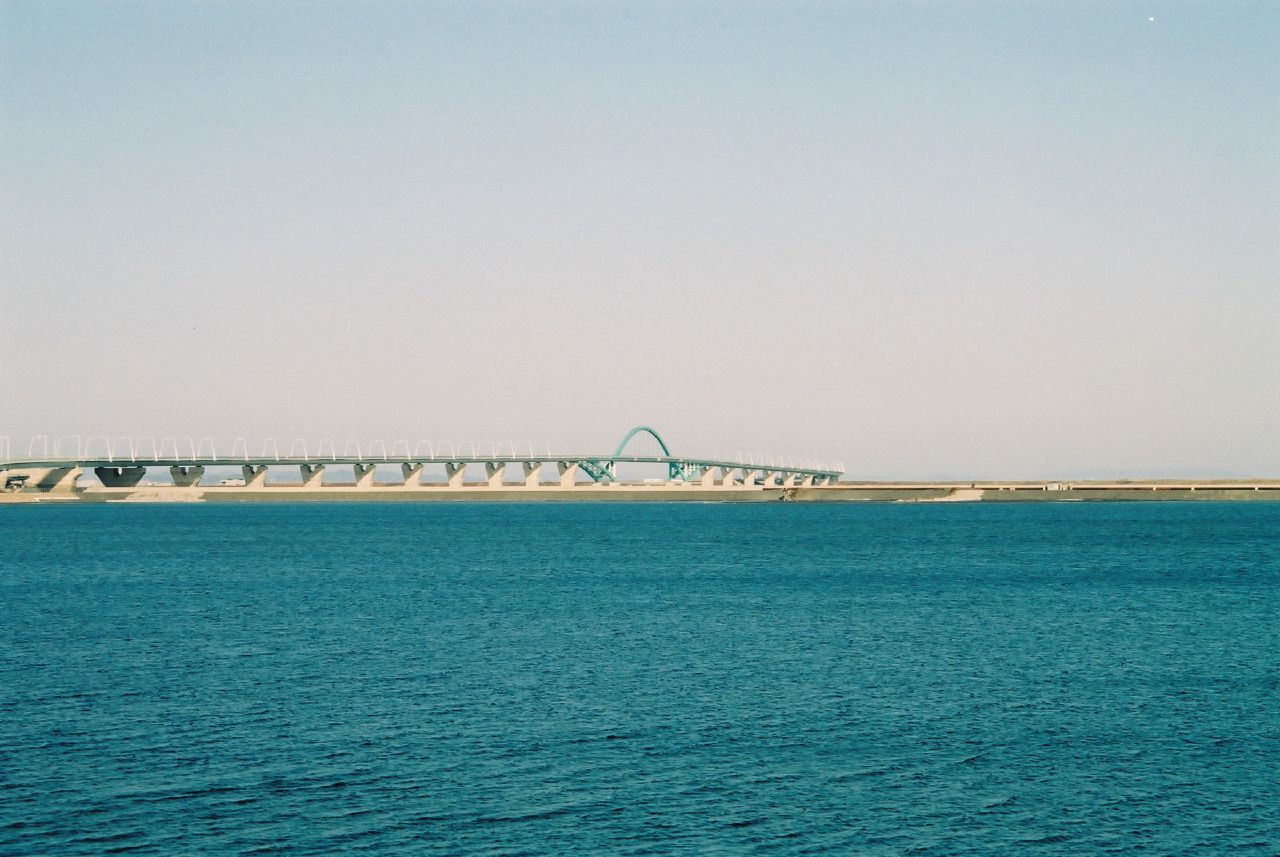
(140, 450)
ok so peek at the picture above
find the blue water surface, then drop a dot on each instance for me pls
(1075, 678)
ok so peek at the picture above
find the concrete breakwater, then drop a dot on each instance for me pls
(1049, 491)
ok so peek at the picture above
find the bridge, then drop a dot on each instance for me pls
(125, 462)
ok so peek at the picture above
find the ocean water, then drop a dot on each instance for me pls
(942, 679)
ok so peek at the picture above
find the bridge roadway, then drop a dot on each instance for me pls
(51, 473)
(126, 473)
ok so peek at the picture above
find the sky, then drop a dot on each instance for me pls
(927, 240)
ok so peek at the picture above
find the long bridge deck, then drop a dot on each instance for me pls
(571, 469)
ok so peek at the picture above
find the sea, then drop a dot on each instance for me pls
(583, 679)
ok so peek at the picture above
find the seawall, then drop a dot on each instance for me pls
(1042, 492)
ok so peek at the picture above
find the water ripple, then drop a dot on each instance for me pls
(642, 680)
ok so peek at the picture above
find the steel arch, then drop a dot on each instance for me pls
(637, 430)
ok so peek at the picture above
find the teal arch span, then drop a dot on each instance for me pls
(637, 430)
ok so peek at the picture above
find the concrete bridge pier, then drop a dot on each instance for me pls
(412, 473)
(186, 476)
(255, 475)
(365, 474)
(120, 477)
(494, 471)
(726, 476)
(64, 478)
(749, 475)
(46, 479)
(788, 480)
(807, 480)
(455, 471)
(568, 473)
(708, 477)
(312, 475)
(532, 473)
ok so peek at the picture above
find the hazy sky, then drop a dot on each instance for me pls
(931, 240)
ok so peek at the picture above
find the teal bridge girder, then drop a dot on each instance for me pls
(607, 471)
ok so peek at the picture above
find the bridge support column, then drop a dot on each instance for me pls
(788, 480)
(312, 475)
(365, 472)
(46, 479)
(532, 473)
(60, 479)
(455, 471)
(568, 473)
(494, 470)
(120, 477)
(412, 473)
(726, 476)
(708, 477)
(749, 475)
(186, 476)
(807, 480)
(255, 475)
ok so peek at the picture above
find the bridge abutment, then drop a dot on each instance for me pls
(44, 479)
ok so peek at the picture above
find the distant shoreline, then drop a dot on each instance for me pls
(845, 492)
